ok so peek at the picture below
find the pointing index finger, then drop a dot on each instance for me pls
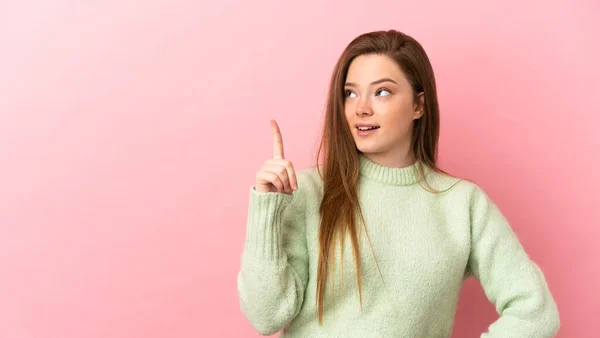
(277, 141)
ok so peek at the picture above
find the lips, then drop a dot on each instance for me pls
(366, 126)
(366, 129)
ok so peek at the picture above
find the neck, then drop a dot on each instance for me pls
(390, 175)
(395, 160)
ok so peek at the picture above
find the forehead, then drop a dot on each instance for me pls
(371, 67)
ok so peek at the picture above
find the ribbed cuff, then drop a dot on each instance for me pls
(263, 228)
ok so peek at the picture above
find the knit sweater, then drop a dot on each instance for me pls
(420, 248)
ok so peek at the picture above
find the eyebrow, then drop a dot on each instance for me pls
(385, 79)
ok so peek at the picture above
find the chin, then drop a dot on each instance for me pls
(367, 148)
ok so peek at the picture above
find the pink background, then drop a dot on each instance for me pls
(130, 133)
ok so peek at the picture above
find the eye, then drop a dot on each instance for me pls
(384, 90)
(349, 92)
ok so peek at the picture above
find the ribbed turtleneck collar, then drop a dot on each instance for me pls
(390, 175)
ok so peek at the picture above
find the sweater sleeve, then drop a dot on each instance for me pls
(510, 279)
(274, 262)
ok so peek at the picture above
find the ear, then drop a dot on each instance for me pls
(419, 106)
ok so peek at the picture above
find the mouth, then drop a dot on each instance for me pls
(365, 128)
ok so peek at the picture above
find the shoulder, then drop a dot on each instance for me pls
(466, 195)
(456, 187)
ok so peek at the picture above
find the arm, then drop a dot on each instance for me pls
(510, 280)
(274, 265)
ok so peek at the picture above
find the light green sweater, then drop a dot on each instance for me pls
(426, 244)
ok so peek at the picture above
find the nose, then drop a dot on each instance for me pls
(363, 108)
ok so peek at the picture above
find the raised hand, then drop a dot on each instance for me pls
(277, 174)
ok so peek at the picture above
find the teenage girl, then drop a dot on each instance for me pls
(377, 240)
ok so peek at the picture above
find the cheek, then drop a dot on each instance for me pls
(398, 113)
(348, 107)
(349, 111)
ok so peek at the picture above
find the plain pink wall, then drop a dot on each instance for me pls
(130, 133)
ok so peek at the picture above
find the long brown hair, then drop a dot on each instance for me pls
(340, 205)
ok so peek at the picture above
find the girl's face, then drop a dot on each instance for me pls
(379, 97)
